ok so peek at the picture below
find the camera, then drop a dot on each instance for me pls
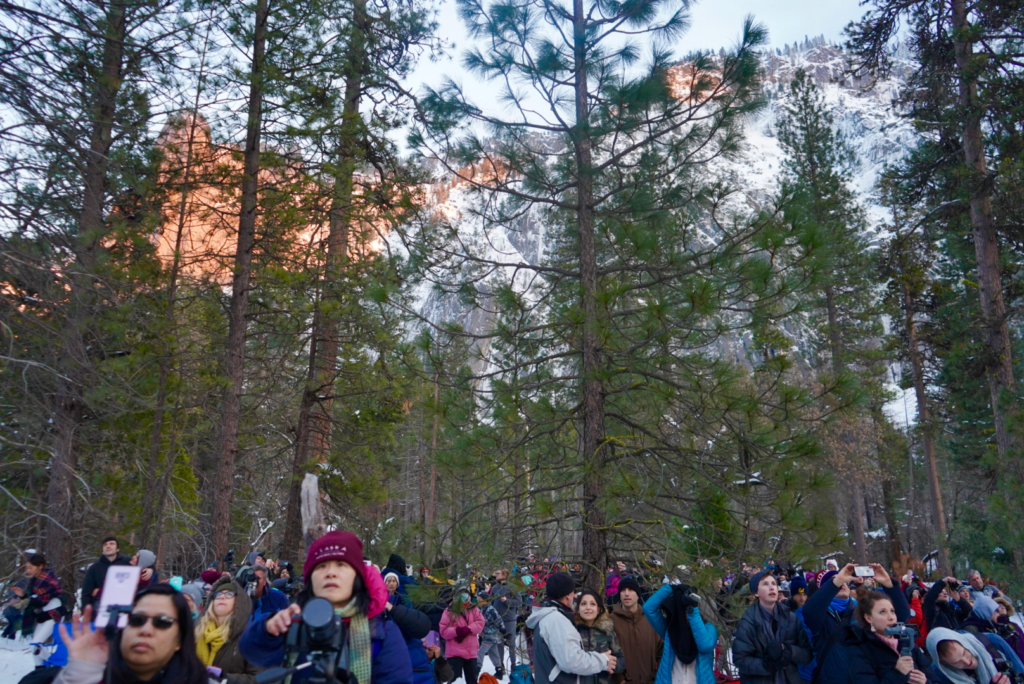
(321, 636)
(905, 634)
(690, 599)
(1003, 666)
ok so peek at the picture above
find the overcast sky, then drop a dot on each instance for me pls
(715, 23)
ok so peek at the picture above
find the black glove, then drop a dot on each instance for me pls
(689, 598)
(777, 655)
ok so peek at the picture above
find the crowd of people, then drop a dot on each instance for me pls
(534, 621)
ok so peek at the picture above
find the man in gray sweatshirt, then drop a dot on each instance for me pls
(558, 655)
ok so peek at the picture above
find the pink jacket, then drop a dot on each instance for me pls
(468, 647)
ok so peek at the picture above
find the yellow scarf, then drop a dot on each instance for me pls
(211, 640)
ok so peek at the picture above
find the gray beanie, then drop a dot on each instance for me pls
(196, 592)
(147, 559)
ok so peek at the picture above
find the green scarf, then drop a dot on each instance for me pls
(360, 648)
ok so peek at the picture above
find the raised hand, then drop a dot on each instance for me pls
(845, 575)
(282, 620)
(881, 576)
(83, 642)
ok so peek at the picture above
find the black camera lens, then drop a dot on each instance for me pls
(318, 617)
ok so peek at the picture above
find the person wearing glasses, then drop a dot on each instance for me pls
(220, 629)
(157, 646)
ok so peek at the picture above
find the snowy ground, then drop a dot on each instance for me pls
(15, 660)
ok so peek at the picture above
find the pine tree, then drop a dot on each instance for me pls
(597, 357)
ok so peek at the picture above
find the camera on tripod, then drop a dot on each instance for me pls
(321, 636)
(905, 634)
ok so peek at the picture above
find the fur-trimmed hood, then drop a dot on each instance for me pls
(603, 622)
(243, 606)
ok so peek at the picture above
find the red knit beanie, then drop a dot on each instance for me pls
(339, 546)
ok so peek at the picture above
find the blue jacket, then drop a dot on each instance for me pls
(391, 662)
(823, 622)
(705, 635)
(271, 602)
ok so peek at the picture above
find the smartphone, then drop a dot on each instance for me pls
(118, 590)
(864, 571)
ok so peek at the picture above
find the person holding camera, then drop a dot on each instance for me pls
(875, 656)
(220, 629)
(689, 653)
(597, 634)
(156, 646)
(832, 608)
(770, 642)
(963, 659)
(943, 605)
(335, 571)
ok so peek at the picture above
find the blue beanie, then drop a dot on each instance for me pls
(756, 580)
(798, 585)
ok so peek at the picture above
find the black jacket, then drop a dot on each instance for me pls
(949, 614)
(96, 575)
(749, 644)
(872, 661)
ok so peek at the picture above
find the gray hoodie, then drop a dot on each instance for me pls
(558, 654)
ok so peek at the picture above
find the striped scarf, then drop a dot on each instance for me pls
(360, 652)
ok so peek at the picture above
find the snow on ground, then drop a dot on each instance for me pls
(15, 660)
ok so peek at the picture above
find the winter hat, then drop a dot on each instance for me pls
(339, 546)
(196, 592)
(390, 573)
(629, 582)
(210, 576)
(147, 559)
(826, 578)
(756, 580)
(396, 563)
(985, 608)
(798, 585)
(559, 586)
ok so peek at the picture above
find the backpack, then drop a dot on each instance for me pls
(520, 675)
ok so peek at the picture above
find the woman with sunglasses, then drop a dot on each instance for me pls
(220, 629)
(156, 646)
(335, 571)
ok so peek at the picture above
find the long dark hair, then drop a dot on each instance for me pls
(184, 666)
(359, 592)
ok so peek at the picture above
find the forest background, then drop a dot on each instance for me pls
(220, 274)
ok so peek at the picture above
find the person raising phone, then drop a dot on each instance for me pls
(157, 646)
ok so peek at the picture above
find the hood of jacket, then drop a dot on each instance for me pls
(603, 623)
(538, 614)
(243, 605)
(626, 615)
(396, 563)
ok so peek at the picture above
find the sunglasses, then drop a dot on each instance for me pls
(224, 594)
(159, 621)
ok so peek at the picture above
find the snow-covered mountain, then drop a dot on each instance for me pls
(863, 110)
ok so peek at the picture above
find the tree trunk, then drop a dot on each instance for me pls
(926, 430)
(313, 439)
(999, 358)
(69, 402)
(234, 365)
(860, 538)
(591, 443)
